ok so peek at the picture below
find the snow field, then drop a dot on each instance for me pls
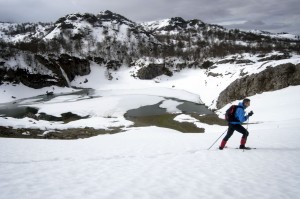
(152, 162)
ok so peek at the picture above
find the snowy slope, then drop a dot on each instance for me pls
(125, 92)
(26, 62)
(14, 32)
(276, 35)
(197, 81)
(154, 162)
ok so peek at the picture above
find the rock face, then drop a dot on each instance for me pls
(64, 68)
(152, 71)
(31, 80)
(73, 66)
(268, 80)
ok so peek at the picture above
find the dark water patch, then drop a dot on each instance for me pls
(20, 108)
(153, 115)
(17, 111)
(65, 117)
(191, 107)
(210, 119)
(165, 121)
(185, 107)
(45, 97)
(146, 111)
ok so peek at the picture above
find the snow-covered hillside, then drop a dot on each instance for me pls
(14, 32)
(124, 92)
(283, 35)
(152, 162)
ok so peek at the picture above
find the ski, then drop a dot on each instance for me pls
(226, 147)
(250, 148)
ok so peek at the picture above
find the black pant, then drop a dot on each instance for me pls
(236, 127)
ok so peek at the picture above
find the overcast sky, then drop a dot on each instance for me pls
(270, 15)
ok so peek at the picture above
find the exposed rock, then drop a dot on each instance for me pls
(276, 57)
(74, 133)
(243, 61)
(268, 80)
(153, 70)
(215, 74)
(49, 93)
(74, 66)
(226, 61)
(112, 64)
(71, 65)
(261, 55)
(207, 64)
(51, 65)
(31, 80)
(62, 66)
(235, 61)
(98, 60)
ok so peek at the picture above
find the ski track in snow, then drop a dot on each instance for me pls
(152, 162)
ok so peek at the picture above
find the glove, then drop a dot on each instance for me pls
(250, 114)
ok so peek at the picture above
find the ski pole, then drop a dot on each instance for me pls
(248, 122)
(217, 140)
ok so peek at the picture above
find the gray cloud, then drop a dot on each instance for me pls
(260, 25)
(273, 16)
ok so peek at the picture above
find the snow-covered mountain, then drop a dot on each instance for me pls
(110, 34)
(54, 54)
(112, 40)
(78, 25)
(106, 35)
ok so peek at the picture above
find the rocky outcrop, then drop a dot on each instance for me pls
(235, 61)
(31, 80)
(152, 71)
(71, 66)
(276, 57)
(109, 64)
(64, 69)
(268, 80)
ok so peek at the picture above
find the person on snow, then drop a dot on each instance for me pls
(235, 125)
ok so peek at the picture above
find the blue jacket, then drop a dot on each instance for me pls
(240, 114)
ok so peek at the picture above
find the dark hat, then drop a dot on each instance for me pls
(246, 100)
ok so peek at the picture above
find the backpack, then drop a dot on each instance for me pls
(230, 113)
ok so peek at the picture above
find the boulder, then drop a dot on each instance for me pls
(152, 71)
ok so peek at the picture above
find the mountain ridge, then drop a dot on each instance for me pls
(108, 16)
(111, 40)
